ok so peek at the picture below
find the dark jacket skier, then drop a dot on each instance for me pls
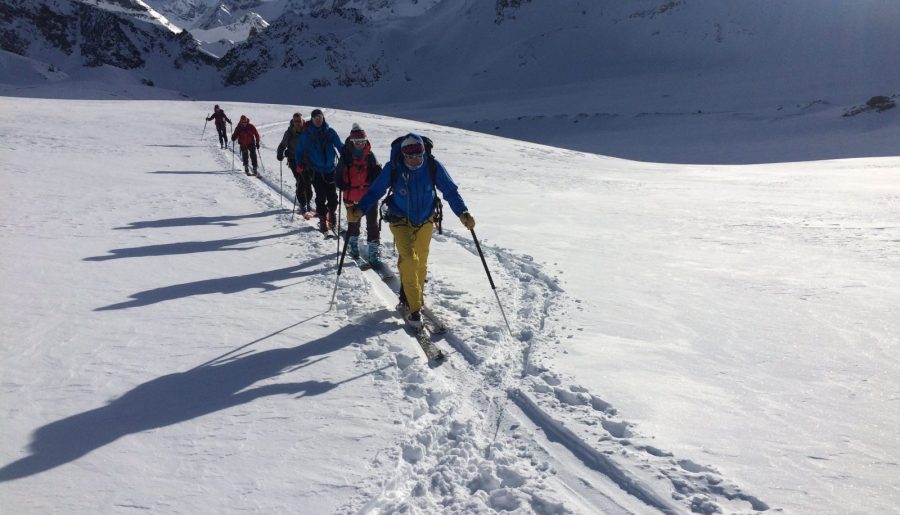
(288, 148)
(220, 118)
(317, 149)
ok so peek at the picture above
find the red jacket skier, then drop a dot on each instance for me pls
(248, 138)
(356, 171)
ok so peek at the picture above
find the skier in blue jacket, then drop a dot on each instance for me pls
(317, 149)
(411, 212)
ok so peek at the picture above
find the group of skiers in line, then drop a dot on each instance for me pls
(322, 163)
(245, 134)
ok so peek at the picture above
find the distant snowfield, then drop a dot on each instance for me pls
(684, 337)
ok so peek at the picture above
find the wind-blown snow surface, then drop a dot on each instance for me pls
(685, 337)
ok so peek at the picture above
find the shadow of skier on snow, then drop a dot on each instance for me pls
(179, 397)
(174, 146)
(187, 247)
(224, 221)
(264, 281)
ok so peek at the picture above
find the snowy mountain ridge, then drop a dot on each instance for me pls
(135, 9)
(601, 76)
(582, 66)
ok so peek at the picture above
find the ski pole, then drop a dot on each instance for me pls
(490, 279)
(232, 155)
(281, 187)
(293, 206)
(259, 153)
(338, 231)
(340, 267)
(204, 128)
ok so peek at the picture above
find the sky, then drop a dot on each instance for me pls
(703, 338)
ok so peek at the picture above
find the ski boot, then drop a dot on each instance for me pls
(353, 244)
(414, 320)
(375, 252)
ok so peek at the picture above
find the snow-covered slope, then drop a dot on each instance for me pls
(685, 338)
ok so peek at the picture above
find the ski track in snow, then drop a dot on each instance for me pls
(464, 449)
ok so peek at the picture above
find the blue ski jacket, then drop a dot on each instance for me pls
(320, 146)
(413, 195)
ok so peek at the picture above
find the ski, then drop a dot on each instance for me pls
(308, 215)
(379, 268)
(331, 234)
(434, 353)
(438, 326)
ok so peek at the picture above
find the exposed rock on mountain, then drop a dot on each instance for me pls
(70, 34)
(289, 44)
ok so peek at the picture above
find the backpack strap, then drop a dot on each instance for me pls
(438, 205)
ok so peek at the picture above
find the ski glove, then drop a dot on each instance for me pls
(467, 220)
(279, 156)
(354, 214)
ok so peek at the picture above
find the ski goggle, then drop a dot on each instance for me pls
(414, 160)
(358, 141)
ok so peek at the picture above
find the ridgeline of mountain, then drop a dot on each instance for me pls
(621, 50)
(579, 64)
(478, 46)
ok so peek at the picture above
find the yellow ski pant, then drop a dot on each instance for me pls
(412, 248)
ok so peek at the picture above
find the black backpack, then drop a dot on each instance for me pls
(438, 211)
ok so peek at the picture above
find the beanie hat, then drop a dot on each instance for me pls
(412, 146)
(244, 118)
(357, 134)
(316, 112)
(297, 116)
